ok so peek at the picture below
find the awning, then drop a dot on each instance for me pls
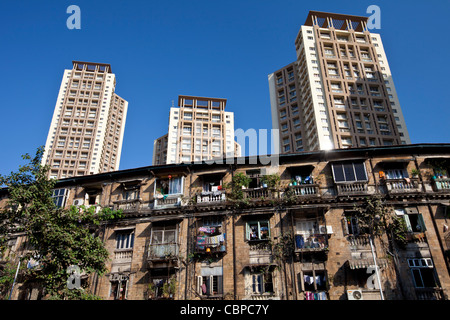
(365, 263)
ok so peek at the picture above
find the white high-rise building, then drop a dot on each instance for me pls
(87, 128)
(339, 93)
(199, 129)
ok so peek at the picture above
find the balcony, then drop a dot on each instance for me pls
(303, 190)
(163, 252)
(211, 197)
(429, 294)
(396, 186)
(168, 201)
(264, 296)
(359, 242)
(123, 256)
(257, 194)
(352, 188)
(315, 242)
(127, 205)
(210, 244)
(442, 184)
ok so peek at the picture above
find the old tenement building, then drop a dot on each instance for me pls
(181, 237)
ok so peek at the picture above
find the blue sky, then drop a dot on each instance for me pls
(226, 49)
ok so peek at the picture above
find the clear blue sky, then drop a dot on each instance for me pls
(226, 49)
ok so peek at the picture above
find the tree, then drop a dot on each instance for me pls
(60, 238)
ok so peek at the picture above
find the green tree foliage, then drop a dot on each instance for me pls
(373, 215)
(59, 237)
(235, 193)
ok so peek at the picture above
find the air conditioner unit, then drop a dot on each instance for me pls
(354, 295)
(78, 202)
(325, 229)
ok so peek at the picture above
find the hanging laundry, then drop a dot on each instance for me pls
(308, 279)
(201, 241)
(299, 242)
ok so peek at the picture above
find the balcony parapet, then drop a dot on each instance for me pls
(441, 184)
(352, 188)
(402, 185)
(211, 197)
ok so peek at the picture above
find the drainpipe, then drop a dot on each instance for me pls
(284, 264)
(376, 267)
(14, 282)
(234, 243)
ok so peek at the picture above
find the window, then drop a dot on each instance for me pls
(125, 239)
(413, 219)
(349, 172)
(59, 197)
(314, 280)
(396, 174)
(163, 241)
(258, 230)
(262, 283)
(119, 288)
(423, 273)
(131, 194)
(210, 283)
(350, 225)
(172, 185)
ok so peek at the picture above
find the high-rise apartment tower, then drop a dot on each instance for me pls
(88, 123)
(200, 129)
(339, 93)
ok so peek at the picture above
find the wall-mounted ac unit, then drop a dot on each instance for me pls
(354, 295)
(325, 229)
(78, 202)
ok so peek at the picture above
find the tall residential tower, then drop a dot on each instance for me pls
(339, 93)
(200, 129)
(88, 123)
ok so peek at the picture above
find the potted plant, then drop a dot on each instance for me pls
(151, 290)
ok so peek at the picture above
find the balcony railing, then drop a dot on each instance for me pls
(352, 188)
(442, 184)
(429, 294)
(264, 296)
(359, 242)
(257, 193)
(402, 185)
(305, 189)
(127, 205)
(209, 197)
(165, 251)
(123, 255)
(169, 201)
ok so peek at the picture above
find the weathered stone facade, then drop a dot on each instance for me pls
(180, 223)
